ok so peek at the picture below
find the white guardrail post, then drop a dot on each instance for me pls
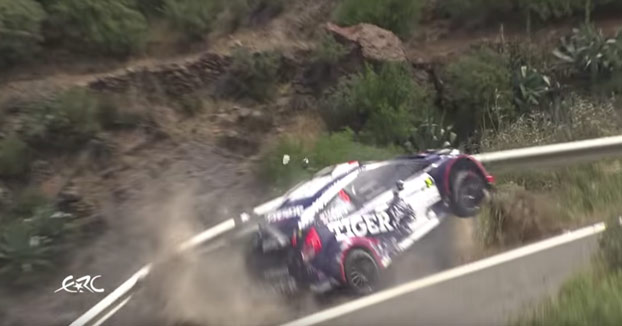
(557, 154)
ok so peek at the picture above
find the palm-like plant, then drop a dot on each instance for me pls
(589, 50)
(531, 87)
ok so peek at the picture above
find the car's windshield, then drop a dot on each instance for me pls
(376, 181)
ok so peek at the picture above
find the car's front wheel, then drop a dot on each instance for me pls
(362, 272)
(468, 193)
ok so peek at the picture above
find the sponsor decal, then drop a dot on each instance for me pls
(361, 226)
(285, 213)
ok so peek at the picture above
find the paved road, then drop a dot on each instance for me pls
(488, 297)
(223, 291)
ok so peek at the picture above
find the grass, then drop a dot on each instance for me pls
(590, 299)
(325, 150)
(398, 16)
(538, 202)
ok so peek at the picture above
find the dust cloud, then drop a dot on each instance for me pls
(194, 288)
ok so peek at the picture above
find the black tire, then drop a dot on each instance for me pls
(468, 193)
(362, 272)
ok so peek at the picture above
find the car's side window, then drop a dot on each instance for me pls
(338, 207)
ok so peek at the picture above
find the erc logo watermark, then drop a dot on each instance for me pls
(80, 285)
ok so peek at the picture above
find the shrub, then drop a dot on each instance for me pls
(324, 151)
(29, 243)
(473, 11)
(589, 299)
(384, 107)
(103, 26)
(398, 16)
(577, 118)
(591, 53)
(68, 121)
(329, 50)
(554, 9)
(532, 88)
(194, 17)
(611, 244)
(20, 30)
(478, 90)
(150, 7)
(252, 75)
(14, 157)
(550, 9)
(239, 13)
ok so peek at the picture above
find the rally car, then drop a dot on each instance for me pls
(343, 227)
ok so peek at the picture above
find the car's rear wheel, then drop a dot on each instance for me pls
(468, 193)
(362, 272)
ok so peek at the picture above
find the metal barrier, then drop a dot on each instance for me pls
(558, 154)
(554, 155)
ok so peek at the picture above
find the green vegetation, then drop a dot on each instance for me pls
(111, 27)
(481, 11)
(611, 244)
(251, 75)
(534, 203)
(14, 156)
(194, 17)
(384, 107)
(329, 51)
(589, 52)
(32, 233)
(326, 150)
(590, 299)
(20, 30)
(478, 90)
(399, 16)
(68, 121)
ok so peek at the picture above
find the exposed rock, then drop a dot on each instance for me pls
(172, 79)
(374, 42)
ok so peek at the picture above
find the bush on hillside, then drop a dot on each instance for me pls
(20, 30)
(473, 11)
(251, 75)
(554, 9)
(66, 122)
(478, 91)
(194, 17)
(14, 157)
(110, 27)
(589, 52)
(481, 11)
(329, 51)
(150, 7)
(398, 16)
(384, 107)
